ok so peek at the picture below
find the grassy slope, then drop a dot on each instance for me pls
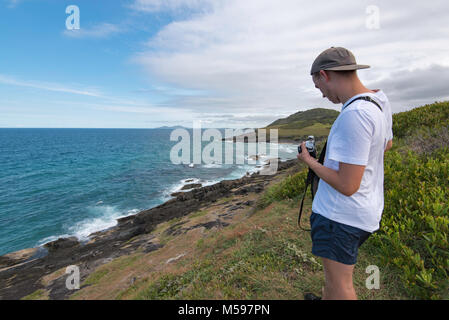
(264, 255)
(316, 122)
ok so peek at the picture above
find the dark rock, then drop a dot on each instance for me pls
(175, 194)
(184, 196)
(175, 230)
(151, 247)
(172, 230)
(62, 243)
(191, 186)
(211, 224)
(130, 220)
(241, 191)
(129, 233)
(22, 256)
(58, 289)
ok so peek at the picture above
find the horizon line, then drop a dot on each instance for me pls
(115, 128)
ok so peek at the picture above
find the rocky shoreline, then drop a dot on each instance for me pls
(23, 272)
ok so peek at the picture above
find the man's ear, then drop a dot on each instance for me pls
(325, 75)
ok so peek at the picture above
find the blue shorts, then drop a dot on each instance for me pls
(334, 240)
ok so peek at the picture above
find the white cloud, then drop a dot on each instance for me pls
(8, 80)
(419, 86)
(96, 100)
(98, 31)
(254, 56)
(170, 5)
(144, 109)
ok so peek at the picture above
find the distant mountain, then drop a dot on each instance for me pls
(172, 127)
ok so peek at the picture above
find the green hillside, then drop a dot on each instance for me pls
(306, 118)
(298, 126)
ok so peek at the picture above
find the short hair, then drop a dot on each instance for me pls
(345, 73)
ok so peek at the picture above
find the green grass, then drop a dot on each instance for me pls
(198, 214)
(95, 277)
(256, 265)
(37, 295)
(266, 258)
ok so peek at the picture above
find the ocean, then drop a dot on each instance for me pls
(73, 182)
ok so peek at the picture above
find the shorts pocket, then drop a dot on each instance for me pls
(312, 218)
(347, 239)
(321, 228)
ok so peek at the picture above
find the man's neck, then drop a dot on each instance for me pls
(352, 89)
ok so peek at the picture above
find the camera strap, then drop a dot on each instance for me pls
(312, 179)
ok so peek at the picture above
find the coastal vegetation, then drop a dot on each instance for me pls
(413, 238)
(272, 259)
(260, 253)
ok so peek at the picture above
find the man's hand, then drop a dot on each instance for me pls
(305, 156)
(389, 145)
(346, 180)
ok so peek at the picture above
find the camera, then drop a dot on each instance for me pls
(310, 145)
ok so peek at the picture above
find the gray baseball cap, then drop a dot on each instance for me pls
(336, 59)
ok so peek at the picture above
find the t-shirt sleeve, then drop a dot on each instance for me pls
(351, 142)
(390, 134)
(390, 125)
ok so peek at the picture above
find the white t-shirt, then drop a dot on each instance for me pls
(358, 136)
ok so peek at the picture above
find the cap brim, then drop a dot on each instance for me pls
(349, 67)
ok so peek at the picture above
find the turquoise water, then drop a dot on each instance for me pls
(72, 182)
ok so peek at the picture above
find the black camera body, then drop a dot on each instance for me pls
(310, 145)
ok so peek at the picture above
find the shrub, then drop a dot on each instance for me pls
(415, 222)
(428, 116)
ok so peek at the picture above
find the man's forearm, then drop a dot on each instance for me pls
(389, 145)
(330, 176)
(346, 180)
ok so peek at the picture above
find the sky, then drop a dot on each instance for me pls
(226, 63)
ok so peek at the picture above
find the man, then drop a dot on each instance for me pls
(349, 201)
